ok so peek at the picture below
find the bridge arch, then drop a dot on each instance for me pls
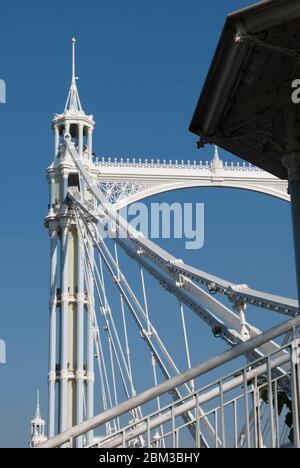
(151, 191)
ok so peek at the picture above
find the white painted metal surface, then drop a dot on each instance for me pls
(126, 181)
(83, 190)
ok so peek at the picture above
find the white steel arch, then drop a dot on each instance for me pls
(124, 182)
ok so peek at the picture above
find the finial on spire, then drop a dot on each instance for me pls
(38, 410)
(217, 163)
(73, 104)
(216, 155)
(73, 41)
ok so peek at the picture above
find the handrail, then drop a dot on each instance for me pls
(170, 384)
(188, 404)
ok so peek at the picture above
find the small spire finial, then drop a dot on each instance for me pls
(73, 41)
(216, 163)
(216, 155)
(38, 399)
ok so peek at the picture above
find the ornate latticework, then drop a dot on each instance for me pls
(116, 192)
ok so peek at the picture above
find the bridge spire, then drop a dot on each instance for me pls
(74, 122)
(73, 104)
(217, 162)
(37, 426)
(73, 41)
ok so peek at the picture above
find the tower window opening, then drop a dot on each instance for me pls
(74, 133)
(73, 181)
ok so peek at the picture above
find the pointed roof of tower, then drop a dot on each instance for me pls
(37, 426)
(73, 104)
(38, 417)
(73, 112)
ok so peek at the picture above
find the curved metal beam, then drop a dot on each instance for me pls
(138, 196)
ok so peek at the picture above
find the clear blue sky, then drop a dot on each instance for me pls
(141, 64)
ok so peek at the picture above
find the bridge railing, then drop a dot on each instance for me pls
(170, 164)
(250, 407)
(255, 406)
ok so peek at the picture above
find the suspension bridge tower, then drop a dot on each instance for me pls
(71, 353)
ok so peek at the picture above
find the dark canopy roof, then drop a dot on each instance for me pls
(246, 105)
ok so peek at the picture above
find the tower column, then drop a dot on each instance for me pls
(56, 140)
(71, 385)
(51, 192)
(52, 341)
(90, 141)
(64, 325)
(67, 129)
(80, 139)
(80, 375)
(90, 347)
(64, 188)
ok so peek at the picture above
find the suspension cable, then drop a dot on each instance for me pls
(113, 377)
(176, 392)
(100, 358)
(105, 307)
(186, 343)
(123, 314)
(105, 310)
(129, 370)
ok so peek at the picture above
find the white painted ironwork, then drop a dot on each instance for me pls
(124, 181)
(84, 327)
(244, 379)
